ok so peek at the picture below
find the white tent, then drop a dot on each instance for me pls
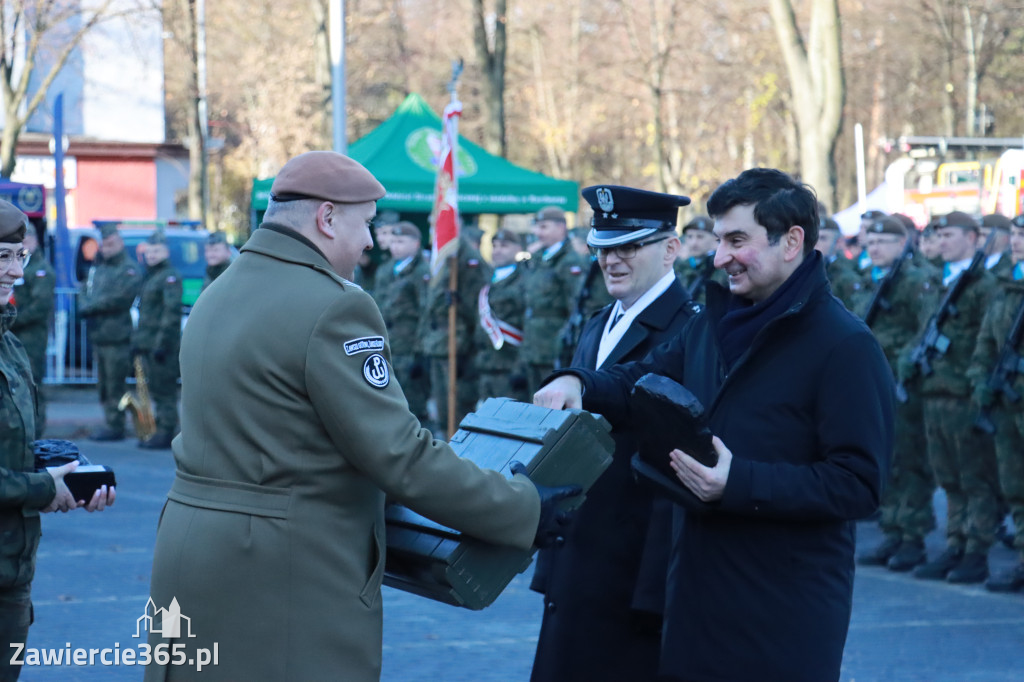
(849, 218)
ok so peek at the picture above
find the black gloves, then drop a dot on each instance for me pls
(553, 520)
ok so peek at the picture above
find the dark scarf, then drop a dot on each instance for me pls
(743, 319)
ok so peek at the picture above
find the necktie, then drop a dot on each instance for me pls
(615, 321)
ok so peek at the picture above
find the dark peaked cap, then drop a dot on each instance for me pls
(624, 214)
(325, 175)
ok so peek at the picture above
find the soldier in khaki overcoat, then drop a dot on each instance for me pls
(293, 431)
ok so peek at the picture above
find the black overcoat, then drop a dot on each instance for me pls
(605, 586)
(760, 582)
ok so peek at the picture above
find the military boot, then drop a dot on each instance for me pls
(940, 568)
(880, 554)
(973, 568)
(1008, 581)
(106, 434)
(910, 554)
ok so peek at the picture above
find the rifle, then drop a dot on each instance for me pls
(570, 335)
(1010, 364)
(933, 343)
(880, 300)
(707, 269)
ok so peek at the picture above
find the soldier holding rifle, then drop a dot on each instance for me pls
(963, 460)
(894, 295)
(997, 374)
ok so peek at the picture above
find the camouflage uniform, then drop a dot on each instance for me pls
(22, 491)
(157, 340)
(501, 370)
(845, 279)
(963, 459)
(400, 299)
(1007, 417)
(110, 291)
(553, 278)
(690, 270)
(474, 273)
(907, 515)
(35, 302)
(1003, 268)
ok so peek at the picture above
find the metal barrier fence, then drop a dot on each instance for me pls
(69, 358)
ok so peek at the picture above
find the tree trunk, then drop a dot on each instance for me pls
(322, 68)
(818, 89)
(491, 55)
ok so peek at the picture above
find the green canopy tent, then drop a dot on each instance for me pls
(402, 153)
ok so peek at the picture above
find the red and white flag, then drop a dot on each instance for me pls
(446, 190)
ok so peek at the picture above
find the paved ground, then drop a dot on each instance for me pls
(93, 575)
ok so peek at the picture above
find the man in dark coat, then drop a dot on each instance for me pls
(604, 587)
(801, 398)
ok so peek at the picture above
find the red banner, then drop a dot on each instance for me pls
(446, 203)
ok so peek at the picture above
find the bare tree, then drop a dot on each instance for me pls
(818, 88)
(489, 39)
(28, 29)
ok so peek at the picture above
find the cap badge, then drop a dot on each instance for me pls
(605, 200)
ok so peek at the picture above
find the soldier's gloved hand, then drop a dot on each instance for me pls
(160, 355)
(906, 370)
(418, 367)
(983, 396)
(517, 382)
(553, 521)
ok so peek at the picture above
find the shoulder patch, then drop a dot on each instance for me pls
(171, 279)
(472, 263)
(40, 273)
(376, 372)
(131, 271)
(365, 344)
(575, 270)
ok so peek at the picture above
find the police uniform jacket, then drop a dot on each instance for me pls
(760, 582)
(109, 293)
(22, 491)
(293, 431)
(605, 586)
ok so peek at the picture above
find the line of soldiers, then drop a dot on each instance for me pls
(944, 313)
(131, 313)
(516, 320)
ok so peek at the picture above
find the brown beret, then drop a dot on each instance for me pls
(1018, 221)
(550, 213)
(507, 235)
(158, 237)
(888, 225)
(325, 175)
(956, 219)
(996, 220)
(873, 214)
(405, 229)
(12, 223)
(701, 222)
(907, 222)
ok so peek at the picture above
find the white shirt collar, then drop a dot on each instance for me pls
(503, 272)
(611, 336)
(993, 260)
(955, 268)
